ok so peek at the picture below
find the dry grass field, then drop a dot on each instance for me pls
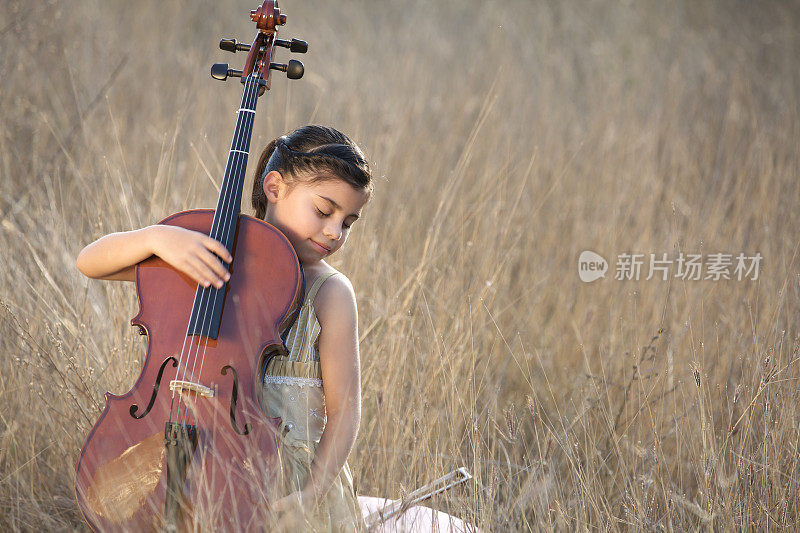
(508, 137)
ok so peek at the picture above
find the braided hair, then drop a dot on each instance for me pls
(310, 154)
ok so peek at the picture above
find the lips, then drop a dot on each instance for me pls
(322, 248)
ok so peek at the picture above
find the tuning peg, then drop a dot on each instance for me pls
(296, 45)
(294, 70)
(230, 45)
(220, 71)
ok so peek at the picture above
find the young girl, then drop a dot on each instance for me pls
(312, 185)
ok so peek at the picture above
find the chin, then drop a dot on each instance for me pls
(306, 261)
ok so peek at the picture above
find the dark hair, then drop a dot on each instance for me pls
(319, 150)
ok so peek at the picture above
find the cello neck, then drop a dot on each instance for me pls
(230, 197)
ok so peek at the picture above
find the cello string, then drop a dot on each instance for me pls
(225, 206)
(181, 366)
(202, 295)
(228, 205)
(201, 318)
(230, 218)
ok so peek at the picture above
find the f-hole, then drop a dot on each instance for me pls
(135, 407)
(234, 399)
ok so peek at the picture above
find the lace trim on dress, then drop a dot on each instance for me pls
(293, 381)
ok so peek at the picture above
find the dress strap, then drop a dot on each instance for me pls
(312, 293)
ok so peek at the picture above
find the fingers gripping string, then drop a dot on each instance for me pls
(238, 162)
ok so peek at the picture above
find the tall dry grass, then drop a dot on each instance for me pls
(508, 137)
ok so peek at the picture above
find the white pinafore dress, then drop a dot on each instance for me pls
(293, 390)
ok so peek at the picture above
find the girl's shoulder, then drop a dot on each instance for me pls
(334, 296)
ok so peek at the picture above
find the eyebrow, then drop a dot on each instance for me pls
(337, 206)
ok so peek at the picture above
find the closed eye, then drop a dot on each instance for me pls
(323, 214)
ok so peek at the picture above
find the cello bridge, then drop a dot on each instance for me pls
(179, 386)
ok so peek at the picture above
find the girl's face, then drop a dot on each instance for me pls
(315, 217)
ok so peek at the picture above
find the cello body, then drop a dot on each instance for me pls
(129, 475)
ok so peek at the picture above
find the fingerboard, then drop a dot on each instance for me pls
(209, 301)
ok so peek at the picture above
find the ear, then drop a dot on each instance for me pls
(274, 186)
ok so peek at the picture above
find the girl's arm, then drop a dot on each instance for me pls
(336, 310)
(115, 256)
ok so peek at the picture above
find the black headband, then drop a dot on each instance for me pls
(275, 160)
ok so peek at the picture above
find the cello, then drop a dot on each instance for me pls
(189, 446)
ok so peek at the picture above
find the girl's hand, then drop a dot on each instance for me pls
(292, 502)
(289, 510)
(192, 253)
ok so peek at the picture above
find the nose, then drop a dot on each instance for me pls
(333, 232)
